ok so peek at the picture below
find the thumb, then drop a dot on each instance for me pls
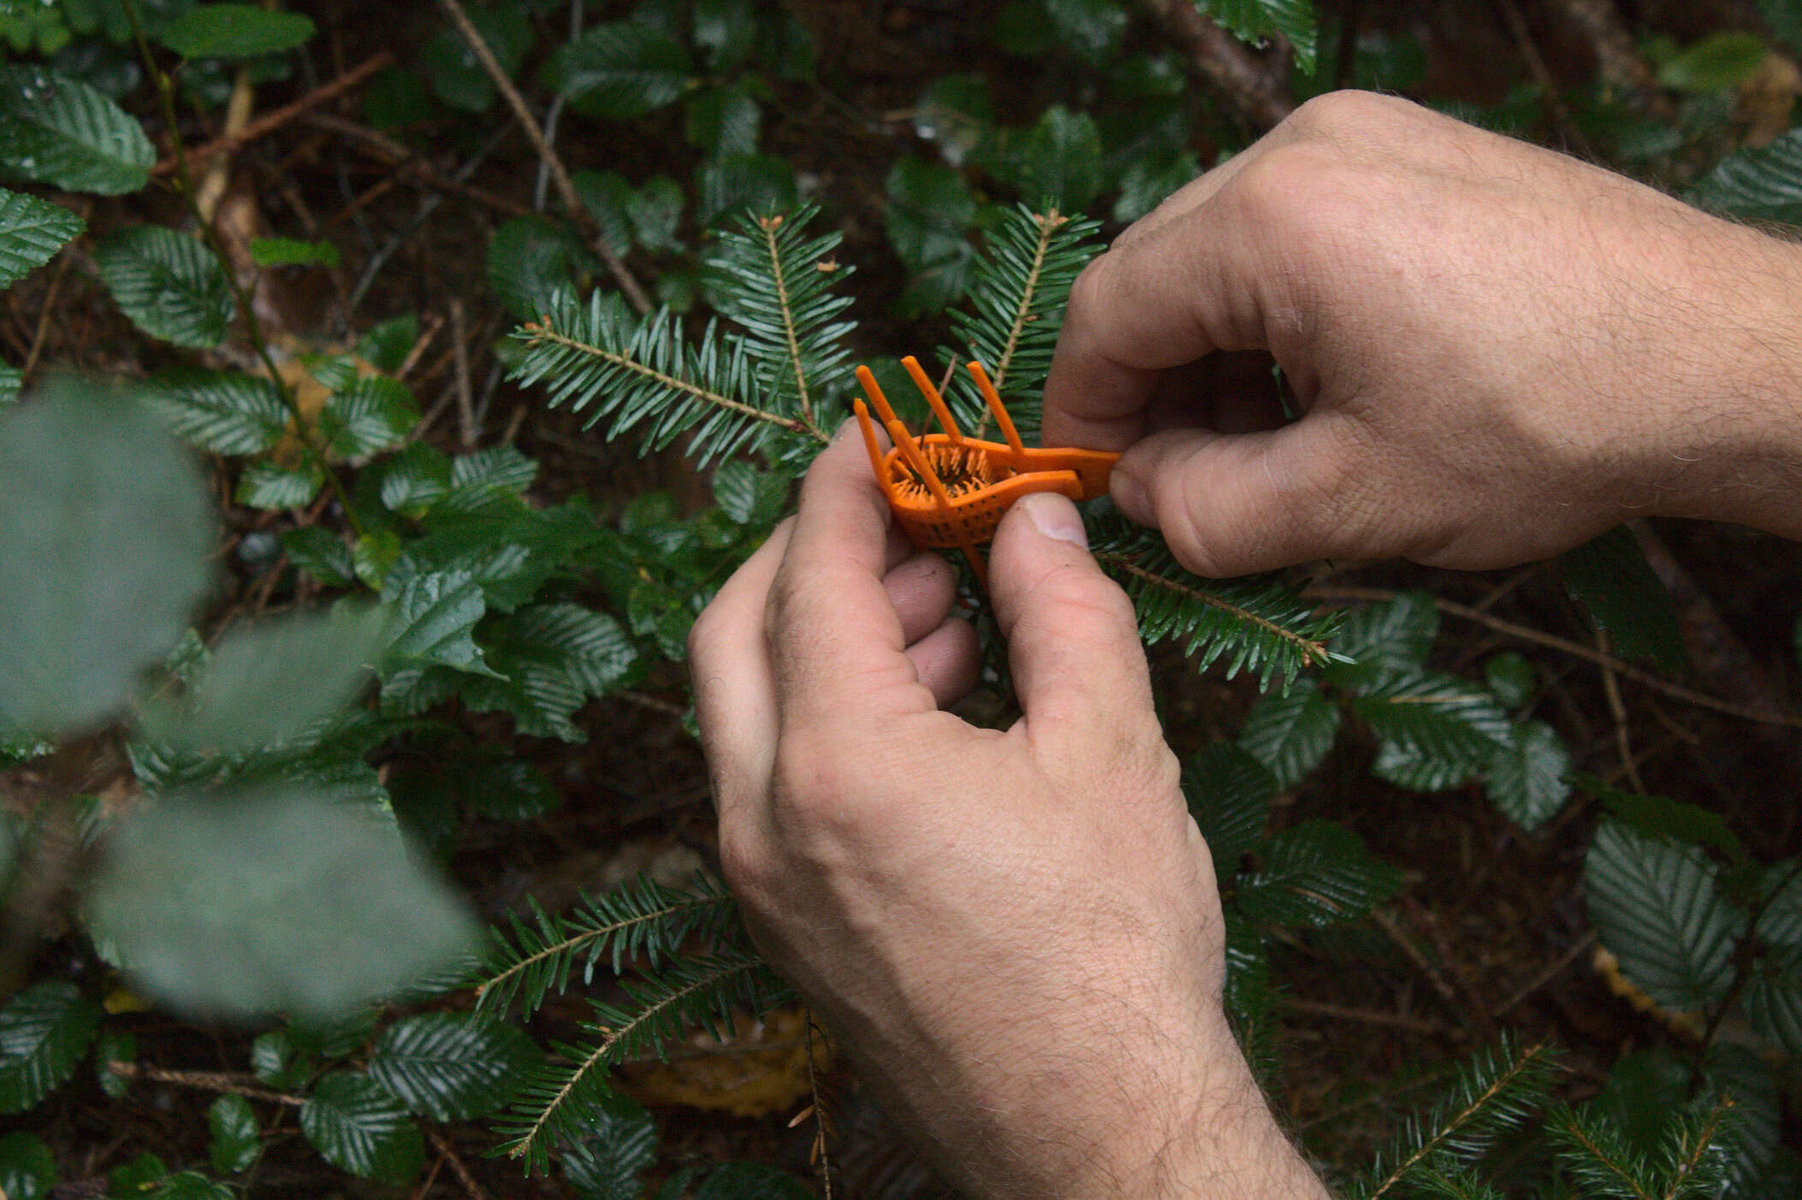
(1072, 637)
(1232, 504)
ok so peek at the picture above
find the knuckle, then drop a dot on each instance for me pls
(742, 866)
(1334, 115)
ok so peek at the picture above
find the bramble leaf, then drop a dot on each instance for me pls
(170, 285)
(44, 1032)
(59, 131)
(31, 232)
(452, 1066)
(356, 1125)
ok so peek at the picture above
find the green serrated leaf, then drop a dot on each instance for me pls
(276, 1061)
(452, 1066)
(44, 1032)
(356, 1125)
(27, 1167)
(267, 484)
(373, 414)
(386, 346)
(104, 541)
(321, 553)
(278, 901)
(1255, 20)
(272, 681)
(620, 69)
(929, 215)
(1317, 873)
(1529, 780)
(191, 1185)
(1229, 792)
(655, 212)
(1611, 578)
(1663, 818)
(58, 131)
(236, 1138)
(724, 122)
(1437, 730)
(506, 788)
(434, 617)
(1763, 183)
(1511, 678)
(114, 1045)
(956, 112)
(478, 479)
(416, 479)
(221, 411)
(457, 75)
(1656, 906)
(1092, 28)
(1058, 164)
(755, 184)
(725, 31)
(1396, 635)
(750, 496)
(1290, 733)
(170, 285)
(1774, 998)
(31, 232)
(293, 252)
(235, 31)
(528, 260)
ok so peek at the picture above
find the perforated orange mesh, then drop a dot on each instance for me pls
(948, 490)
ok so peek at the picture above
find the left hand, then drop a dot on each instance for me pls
(1017, 933)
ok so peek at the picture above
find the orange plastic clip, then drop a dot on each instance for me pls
(948, 490)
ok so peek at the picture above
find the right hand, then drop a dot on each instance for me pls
(1499, 352)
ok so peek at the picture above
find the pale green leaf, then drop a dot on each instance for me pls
(1530, 779)
(292, 252)
(105, 535)
(1290, 733)
(44, 1032)
(252, 903)
(56, 130)
(269, 682)
(267, 484)
(452, 1066)
(170, 285)
(235, 31)
(1721, 60)
(221, 411)
(373, 414)
(31, 232)
(356, 1125)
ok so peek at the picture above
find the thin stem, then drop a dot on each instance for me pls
(566, 187)
(793, 424)
(1626, 670)
(184, 188)
(1313, 653)
(1048, 225)
(569, 944)
(769, 225)
(1459, 1119)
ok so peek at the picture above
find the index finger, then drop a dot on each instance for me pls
(836, 642)
(1164, 299)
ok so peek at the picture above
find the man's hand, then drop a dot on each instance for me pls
(1018, 934)
(1500, 352)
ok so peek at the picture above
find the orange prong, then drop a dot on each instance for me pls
(935, 401)
(874, 392)
(917, 460)
(976, 564)
(869, 442)
(992, 398)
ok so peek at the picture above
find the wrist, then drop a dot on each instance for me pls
(1732, 449)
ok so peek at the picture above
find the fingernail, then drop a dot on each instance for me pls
(1056, 517)
(1130, 497)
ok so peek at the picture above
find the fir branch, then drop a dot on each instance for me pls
(1496, 1091)
(1600, 1159)
(1693, 1157)
(1021, 283)
(775, 284)
(556, 1104)
(632, 372)
(641, 919)
(1257, 623)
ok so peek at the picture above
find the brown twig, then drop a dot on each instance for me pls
(1363, 1016)
(1546, 976)
(1617, 709)
(42, 333)
(466, 414)
(275, 118)
(442, 1145)
(1554, 97)
(207, 1081)
(566, 187)
(1626, 670)
(1255, 91)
